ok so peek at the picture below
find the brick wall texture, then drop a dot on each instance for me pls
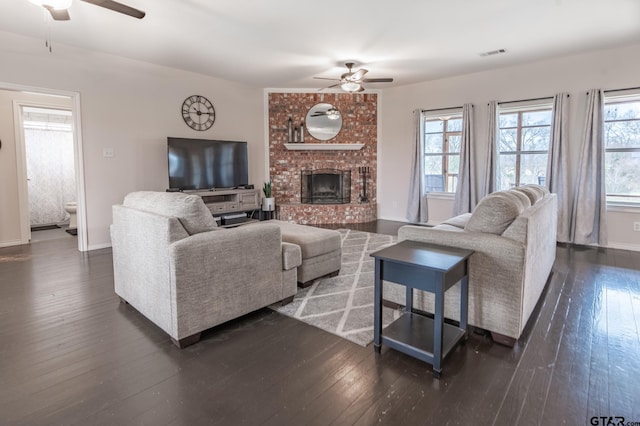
(359, 125)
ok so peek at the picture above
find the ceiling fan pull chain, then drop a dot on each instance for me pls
(47, 30)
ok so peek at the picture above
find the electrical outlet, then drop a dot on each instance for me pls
(636, 226)
(107, 152)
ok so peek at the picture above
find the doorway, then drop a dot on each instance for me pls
(49, 158)
(61, 106)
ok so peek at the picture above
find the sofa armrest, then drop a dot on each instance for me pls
(221, 274)
(291, 256)
(477, 241)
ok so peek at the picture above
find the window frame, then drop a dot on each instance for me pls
(627, 97)
(520, 110)
(445, 154)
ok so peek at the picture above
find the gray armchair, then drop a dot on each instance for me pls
(176, 267)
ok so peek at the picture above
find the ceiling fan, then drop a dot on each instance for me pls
(59, 8)
(351, 81)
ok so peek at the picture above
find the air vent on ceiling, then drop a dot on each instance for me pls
(493, 52)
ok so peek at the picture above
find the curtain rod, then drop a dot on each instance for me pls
(440, 109)
(527, 100)
(620, 90)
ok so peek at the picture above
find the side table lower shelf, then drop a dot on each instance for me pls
(412, 334)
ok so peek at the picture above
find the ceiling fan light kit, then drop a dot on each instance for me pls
(351, 81)
(333, 114)
(350, 86)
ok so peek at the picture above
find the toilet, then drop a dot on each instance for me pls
(70, 208)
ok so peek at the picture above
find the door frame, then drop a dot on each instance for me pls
(23, 193)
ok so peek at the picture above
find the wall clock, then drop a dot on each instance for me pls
(198, 112)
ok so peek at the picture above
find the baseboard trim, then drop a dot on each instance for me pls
(623, 246)
(98, 246)
(11, 243)
(394, 219)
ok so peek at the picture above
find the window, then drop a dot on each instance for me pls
(442, 138)
(523, 145)
(622, 149)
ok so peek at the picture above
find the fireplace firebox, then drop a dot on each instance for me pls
(325, 186)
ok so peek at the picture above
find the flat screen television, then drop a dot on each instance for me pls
(196, 164)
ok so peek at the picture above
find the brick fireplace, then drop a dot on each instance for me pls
(286, 167)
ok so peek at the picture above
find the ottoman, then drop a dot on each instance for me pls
(321, 250)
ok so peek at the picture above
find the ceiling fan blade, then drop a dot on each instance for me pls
(329, 87)
(118, 7)
(357, 76)
(324, 78)
(377, 80)
(58, 15)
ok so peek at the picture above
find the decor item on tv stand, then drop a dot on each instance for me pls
(268, 202)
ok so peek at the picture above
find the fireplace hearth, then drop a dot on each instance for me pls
(325, 186)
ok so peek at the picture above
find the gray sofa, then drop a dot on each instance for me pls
(513, 234)
(176, 267)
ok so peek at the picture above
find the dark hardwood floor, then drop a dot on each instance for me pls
(71, 353)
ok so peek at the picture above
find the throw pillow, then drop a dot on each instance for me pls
(459, 221)
(520, 197)
(189, 209)
(542, 189)
(494, 213)
(533, 193)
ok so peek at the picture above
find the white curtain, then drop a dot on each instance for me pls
(490, 182)
(417, 205)
(558, 164)
(466, 193)
(51, 174)
(589, 207)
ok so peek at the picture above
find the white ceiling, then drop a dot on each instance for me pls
(284, 43)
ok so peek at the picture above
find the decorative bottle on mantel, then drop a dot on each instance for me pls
(295, 134)
(289, 130)
(302, 132)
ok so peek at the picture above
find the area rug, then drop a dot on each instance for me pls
(343, 305)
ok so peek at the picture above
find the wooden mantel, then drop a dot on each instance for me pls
(324, 146)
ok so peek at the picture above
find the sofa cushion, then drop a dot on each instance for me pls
(534, 194)
(544, 191)
(459, 221)
(312, 241)
(495, 212)
(522, 199)
(447, 227)
(189, 209)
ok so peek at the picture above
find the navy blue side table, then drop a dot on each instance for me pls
(427, 267)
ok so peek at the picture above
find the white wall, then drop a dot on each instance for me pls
(132, 107)
(608, 69)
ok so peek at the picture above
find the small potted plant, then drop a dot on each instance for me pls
(268, 202)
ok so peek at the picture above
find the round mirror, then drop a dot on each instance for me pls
(323, 121)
